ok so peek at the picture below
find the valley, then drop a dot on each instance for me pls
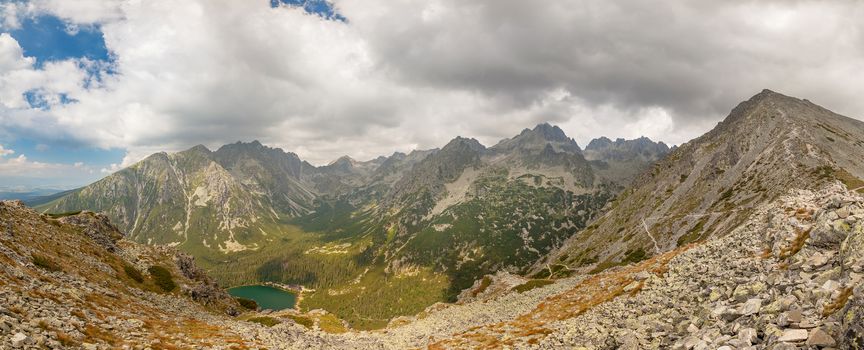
(369, 240)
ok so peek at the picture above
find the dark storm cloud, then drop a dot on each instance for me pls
(399, 75)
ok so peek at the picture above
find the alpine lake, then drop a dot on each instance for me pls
(267, 297)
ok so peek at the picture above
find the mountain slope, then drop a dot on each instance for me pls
(409, 229)
(73, 282)
(184, 198)
(707, 186)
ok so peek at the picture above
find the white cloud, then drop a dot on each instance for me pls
(21, 166)
(20, 170)
(5, 152)
(11, 55)
(113, 168)
(405, 74)
(9, 13)
(82, 11)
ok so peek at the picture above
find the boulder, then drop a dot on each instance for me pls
(793, 335)
(745, 291)
(818, 337)
(747, 336)
(751, 307)
(20, 340)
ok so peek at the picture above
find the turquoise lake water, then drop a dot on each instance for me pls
(267, 297)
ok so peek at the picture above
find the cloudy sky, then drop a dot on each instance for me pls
(89, 86)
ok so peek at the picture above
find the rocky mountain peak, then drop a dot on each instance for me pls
(253, 146)
(767, 107)
(536, 140)
(342, 165)
(463, 144)
(343, 161)
(549, 132)
(621, 150)
(598, 143)
(200, 148)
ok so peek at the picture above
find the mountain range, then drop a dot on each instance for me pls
(436, 219)
(748, 237)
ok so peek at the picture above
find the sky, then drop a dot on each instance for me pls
(88, 87)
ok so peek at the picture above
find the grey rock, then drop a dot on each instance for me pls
(744, 291)
(842, 212)
(793, 335)
(751, 307)
(818, 337)
(747, 336)
(20, 340)
(794, 316)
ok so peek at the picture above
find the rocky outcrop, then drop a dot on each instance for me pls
(205, 291)
(96, 226)
(72, 283)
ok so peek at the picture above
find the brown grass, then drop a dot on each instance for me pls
(637, 289)
(16, 310)
(92, 332)
(66, 340)
(801, 237)
(838, 303)
(530, 327)
(804, 214)
(78, 313)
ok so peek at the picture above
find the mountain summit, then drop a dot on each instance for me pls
(537, 138)
(708, 186)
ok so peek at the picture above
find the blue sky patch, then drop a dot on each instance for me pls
(48, 38)
(66, 152)
(37, 99)
(319, 7)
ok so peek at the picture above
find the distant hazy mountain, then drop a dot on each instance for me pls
(29, 195)
(438, 219)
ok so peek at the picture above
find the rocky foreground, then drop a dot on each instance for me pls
(789, 278)
(72, 282)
